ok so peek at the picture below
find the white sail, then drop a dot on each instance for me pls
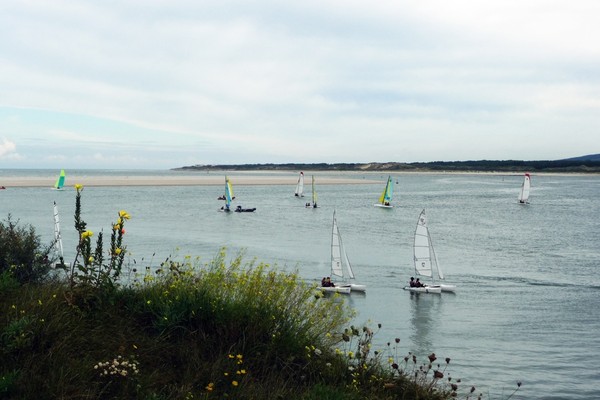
(421, 248)
(347, 263)
(339, 257)
(58, 245)
(336, 250)
(314, 193)
(525, 189)
(299, 192)
(57, 237)
(436, 264)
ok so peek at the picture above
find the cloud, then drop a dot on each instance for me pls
(8, 149)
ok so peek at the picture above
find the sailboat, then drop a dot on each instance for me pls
(340, 264)
(313, 204)
(299, 192)
(425, 259)
(386, 195)
(525, 188)
(60, 181)
(58, 246)
(228, 197)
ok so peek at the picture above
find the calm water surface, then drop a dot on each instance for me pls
(527, 306)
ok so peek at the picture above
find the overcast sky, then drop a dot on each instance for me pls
(162, 84)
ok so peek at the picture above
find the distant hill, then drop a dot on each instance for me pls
(589, 157)
(584, 164)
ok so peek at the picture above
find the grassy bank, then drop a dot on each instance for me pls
(220, 330)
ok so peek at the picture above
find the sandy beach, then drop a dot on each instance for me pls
(187, 180)
(238, 178)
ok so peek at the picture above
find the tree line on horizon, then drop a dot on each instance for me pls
(585, 164)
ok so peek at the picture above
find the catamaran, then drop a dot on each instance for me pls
(525, 189)
(386, 196)
(425, 260)
(299, 192)
(228, 197)
(340, 264)
(60, 181)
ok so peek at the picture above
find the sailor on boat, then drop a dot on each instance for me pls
(326, 282)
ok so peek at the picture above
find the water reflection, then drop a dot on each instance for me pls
(425, 311)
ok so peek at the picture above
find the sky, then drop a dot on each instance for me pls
(157, 84)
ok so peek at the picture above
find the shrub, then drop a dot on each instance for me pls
(22, 254)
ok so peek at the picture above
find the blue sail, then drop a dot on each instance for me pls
(228, 193)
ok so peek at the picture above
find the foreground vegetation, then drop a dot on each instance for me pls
(186, 330)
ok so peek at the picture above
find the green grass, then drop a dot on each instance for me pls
(190, 331)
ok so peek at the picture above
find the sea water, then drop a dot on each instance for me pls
(527, 305)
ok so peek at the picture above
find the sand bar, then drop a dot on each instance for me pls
(240, 178)
(200, 180)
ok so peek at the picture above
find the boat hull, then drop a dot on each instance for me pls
(335, 289)
(424, 289)
(448, 288)
(382, 206)
(354, 287)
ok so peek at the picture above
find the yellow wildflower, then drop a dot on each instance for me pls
(118, 251)
(210, 387)
(234, 383)
(91, 259)
(78, 187)
(87, 234)
(124, 214)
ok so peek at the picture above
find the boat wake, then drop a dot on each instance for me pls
(522, 281)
